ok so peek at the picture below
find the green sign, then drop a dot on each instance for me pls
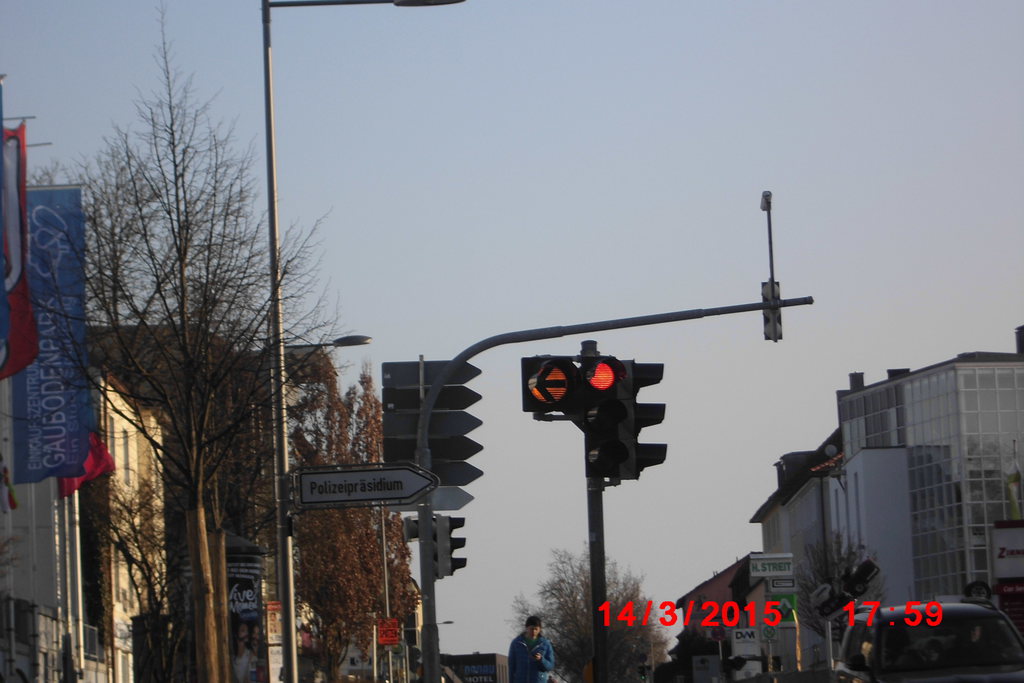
(787, 606)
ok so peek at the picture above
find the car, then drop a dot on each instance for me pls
(966, 642)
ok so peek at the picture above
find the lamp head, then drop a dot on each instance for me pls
(423, 3)
(351, 340)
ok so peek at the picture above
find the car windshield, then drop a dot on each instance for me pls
(956, 642)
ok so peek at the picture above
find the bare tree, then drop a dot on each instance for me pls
(178, 299)
(564, 608)
(828, 563)
(342, 553)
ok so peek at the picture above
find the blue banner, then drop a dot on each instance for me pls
(51, 399)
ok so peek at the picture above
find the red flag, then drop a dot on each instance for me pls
(21, 346)
(98, 462)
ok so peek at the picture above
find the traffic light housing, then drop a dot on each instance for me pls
(445, 544)
(770, 292)
(598, 393)
(550, 384)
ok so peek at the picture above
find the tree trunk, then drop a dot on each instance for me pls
(207, 667)
(219, 562)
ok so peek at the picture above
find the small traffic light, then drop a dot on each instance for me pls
(549, 384)
(770, 292)
(855, 581)
(410, 529)
(641, 671)
(445, 545)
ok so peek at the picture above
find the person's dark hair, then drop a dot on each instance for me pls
(533, 621)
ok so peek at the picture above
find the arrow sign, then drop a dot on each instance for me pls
(341, 486)
(407, 373)
(443, 498)
(455, 473)
(453, 448)
(450, 423)
(451, 397)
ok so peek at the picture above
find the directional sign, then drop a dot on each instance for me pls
(340, 486)
(441, 498)
(407, 373)
(404, 384)
(444, 423)
(455, 472)
(453, 448)
(454, 397)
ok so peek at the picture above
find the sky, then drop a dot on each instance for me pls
(501, 165)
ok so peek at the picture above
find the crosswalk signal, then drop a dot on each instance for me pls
(445, 545)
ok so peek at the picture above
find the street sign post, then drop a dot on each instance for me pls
(366, 485)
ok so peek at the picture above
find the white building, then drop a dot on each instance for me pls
(931, 458)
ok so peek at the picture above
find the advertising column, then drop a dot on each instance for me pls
(245, 611)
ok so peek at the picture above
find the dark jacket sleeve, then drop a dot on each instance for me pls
(512, 660)
(547, 657)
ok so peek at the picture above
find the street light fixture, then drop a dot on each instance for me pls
(348, 340)
(285, 577)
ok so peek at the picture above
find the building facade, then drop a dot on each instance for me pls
(940, 447)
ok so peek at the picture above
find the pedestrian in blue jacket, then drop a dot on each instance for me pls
(530, 656)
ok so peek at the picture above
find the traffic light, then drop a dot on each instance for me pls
(770, 292)
(550, 384)
(605, 411)
(641, 671)
(643, 455)
(410, 529)
(598, 393)
(855, 581)
(445, 545)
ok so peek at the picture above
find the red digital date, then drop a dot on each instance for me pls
(710, 613)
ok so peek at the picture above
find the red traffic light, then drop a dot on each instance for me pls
(605, 374)
(551, 383)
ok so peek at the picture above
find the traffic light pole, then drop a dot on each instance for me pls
(598, 583)
(431, 648)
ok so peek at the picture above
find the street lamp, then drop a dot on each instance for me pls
(285, 578)
(349, 340)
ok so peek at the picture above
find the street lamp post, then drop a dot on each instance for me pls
(285, 578)
(282, 496)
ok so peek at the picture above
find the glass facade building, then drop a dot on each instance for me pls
(961, 426)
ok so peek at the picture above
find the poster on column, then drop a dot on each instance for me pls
(248, 642)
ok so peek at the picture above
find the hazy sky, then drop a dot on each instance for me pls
(502, 165)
